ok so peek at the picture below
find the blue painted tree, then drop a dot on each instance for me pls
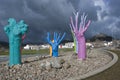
(15, 31)
(55, 44)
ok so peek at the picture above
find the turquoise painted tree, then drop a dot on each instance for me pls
(15, 31)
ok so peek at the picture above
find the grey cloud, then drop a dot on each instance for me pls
(88, 7)
(113, 6)
(53, 15)
(109, 23)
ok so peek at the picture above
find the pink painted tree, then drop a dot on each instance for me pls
(79, 33)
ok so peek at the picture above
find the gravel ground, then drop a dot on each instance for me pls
(46, 68)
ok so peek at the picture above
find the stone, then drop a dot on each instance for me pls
(48, 65)
(66, 65)
(17, 66)
(62, 61)
(37, 57)
(23, 65)
(74, 56)
(56, 64)
(14, 71)
(42, 66)
(7, 67)
(31, 59)
(26, 61)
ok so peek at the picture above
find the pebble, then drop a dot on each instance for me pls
(66, 65)
(48, 65)
(48, 68)
(56, 64)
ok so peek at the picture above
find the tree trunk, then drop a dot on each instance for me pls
(55, 51)
(15, 55)
(81, 48)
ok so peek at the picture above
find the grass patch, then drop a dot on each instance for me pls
(4, 52)
(41, 51)
(27, 52)
(113, 73)
(65, 49)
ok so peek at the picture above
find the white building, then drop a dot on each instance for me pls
(107, 44)
(27, 47)
(67, 45)
(46, 46)
(32, 47)
(89, 44)
(36, 47)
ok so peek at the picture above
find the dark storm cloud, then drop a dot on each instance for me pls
(9, 9)
(53, 15)
(88, 7)
(41, 16)
(114, 7)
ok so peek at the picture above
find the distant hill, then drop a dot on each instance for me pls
(33, 43)
(65, 41)
(101, 37)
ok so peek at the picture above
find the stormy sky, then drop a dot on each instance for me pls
(44, 16)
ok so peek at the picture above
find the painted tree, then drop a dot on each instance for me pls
(75, 42)
(15, 31)
(79, 33)
(50, 48)
(55, 44)
(23, 37)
